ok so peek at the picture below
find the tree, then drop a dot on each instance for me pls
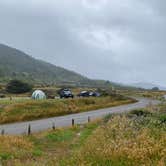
(155, 89)
(17, 87)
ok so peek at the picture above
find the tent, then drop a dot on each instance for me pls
(38, 95)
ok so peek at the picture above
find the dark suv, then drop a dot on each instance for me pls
(66, 93)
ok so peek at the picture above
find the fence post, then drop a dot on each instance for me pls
(29, 129)
(2, 132)
(89, 119)
(72, 122)
(53, 126)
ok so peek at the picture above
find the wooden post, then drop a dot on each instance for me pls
(29, 129)
(53, 126)
(72, 122)
(89, 119)
(2, 132)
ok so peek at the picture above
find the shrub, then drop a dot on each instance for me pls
(162, 118)
(140, 112)
(155, 89)
(16, 87)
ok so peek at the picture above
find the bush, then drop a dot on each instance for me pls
(162, 118)
(2, 95)
(140, 112)
(17, 87)
(155, 89)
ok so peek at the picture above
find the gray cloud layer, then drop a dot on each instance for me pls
(119, 40)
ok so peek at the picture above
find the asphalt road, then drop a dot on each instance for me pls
(63, 121)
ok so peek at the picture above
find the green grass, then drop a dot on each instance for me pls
(23, 110)
(5, 156)
(60, 136)
(48, 145)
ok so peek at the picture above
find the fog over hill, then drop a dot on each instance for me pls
(147, 85)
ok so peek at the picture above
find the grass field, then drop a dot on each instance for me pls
(134, 139)
(144, 93)
(26, 109)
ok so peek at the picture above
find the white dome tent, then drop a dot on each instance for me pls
(38, 95)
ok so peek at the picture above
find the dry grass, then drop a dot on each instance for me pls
(120, 143)
(30, 109)
(135, 139)
(45, 148)
(14, 147)
(144, 93)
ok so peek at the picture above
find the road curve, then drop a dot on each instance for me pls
(63, 121)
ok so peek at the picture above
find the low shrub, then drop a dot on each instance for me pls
(140, 112)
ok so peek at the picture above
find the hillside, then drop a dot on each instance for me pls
(15, 64)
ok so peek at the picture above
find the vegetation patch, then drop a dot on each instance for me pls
(31, 109)
(60, 135)
(127, 139)
(135, 139)
(119, 142)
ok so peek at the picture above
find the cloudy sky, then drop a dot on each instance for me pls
(117, 40)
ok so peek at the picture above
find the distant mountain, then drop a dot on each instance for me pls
(147, 86)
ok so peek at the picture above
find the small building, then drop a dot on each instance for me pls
(38, 95)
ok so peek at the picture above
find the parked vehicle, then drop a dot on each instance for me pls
(84, 94)
(94, 94)
(88, 94)
(66, 93)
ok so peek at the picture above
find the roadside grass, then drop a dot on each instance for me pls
(125, 141)
(144, 93)
(7, 101)
(135, 138)
(14, 147)
(23, 110)
(45, 148)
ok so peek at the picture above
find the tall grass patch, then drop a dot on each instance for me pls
(30, 110)
(120, 142)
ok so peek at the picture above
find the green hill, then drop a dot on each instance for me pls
(15, 64)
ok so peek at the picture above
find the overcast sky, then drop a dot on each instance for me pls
(117, 40)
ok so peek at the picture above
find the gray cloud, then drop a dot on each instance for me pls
(118, 40)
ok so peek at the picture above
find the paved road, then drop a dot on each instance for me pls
(63, 121)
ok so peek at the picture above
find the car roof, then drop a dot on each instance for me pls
(66, 90)
(84, 91)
